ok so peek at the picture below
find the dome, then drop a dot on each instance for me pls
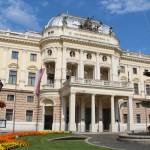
(77, 22)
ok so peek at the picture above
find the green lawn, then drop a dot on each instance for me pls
(42, 143)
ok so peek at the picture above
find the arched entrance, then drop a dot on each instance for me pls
(48, 114)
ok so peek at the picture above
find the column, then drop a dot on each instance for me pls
(82, 122)
(23, 66)
(63, 113)
(81, 72)
(112, 125)
(4, 64)
(114, 68)
(72, 124)
(44, 77)
(100, 124)
(97, 67)
(93, 126)
(117, 118)
(130, 114)
(58, 69)
(64, 64)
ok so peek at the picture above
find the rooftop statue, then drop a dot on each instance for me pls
(87, 25)
(64, 21)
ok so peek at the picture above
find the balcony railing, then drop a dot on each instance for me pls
(97, 82)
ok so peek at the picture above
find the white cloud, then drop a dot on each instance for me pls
(125, 6)
(18, 13)
(44, 3)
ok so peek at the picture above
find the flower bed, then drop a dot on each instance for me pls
(8, 141)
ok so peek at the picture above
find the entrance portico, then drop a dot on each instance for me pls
(91, 112)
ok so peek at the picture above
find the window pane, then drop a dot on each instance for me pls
(137, 105)
(122, 69)
(31, 79)
(33, 57)
(14, 55)
(125, 116)
(138, 118)
(148, 89)
(136, 89)
(9, 114)
(134, 70)
(30, 99)
(12, 77)
(10, 97)
(29, 115)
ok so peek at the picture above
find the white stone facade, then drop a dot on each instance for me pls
(89, 83)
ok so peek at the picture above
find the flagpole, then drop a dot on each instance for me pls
(37, 117)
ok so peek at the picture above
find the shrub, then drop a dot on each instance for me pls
(148, 128)
(2, 104)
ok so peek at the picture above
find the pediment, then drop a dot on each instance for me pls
(13, 65)
(32, 68)
(136, 80)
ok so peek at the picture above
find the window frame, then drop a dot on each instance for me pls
(31, 79)
(134, 70)
(10, 100)
(122, 69)
(125, 119)
(33, 57)
(14, 54)
(6, 115)
(138, 116)
(30, 119)
(12, 78)
(147, 89)
(27, 100)
(136, 91)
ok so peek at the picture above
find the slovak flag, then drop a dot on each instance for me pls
(38, 78)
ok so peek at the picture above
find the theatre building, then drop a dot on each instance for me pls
(90, 83)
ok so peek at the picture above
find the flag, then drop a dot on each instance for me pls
(38, 78)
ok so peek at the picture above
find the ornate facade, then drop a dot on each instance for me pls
(89, 83)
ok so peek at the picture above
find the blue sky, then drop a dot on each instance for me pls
(130, 18)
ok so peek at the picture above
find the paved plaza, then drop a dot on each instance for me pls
(111, 140)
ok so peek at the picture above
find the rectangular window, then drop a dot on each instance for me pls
(138, 118)
(136, 88)
(137, 105)
(148, 89)
(10, 97)
(31, 79)
(122, 69)
(149, 118)
(29, 115)
(14, 55)
(33, 57)
(134, 70)
(9, 114)
(30, 99)
(12, 77)
(125, 116)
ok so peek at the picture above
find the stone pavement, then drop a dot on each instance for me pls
(111, 140)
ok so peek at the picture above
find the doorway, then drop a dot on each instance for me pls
(106, 119)
(48, 118)
(87, 119)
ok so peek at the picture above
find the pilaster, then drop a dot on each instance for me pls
(81, 73)
(63, 114)
(64, 64)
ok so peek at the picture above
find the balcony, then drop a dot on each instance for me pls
(100, 83)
